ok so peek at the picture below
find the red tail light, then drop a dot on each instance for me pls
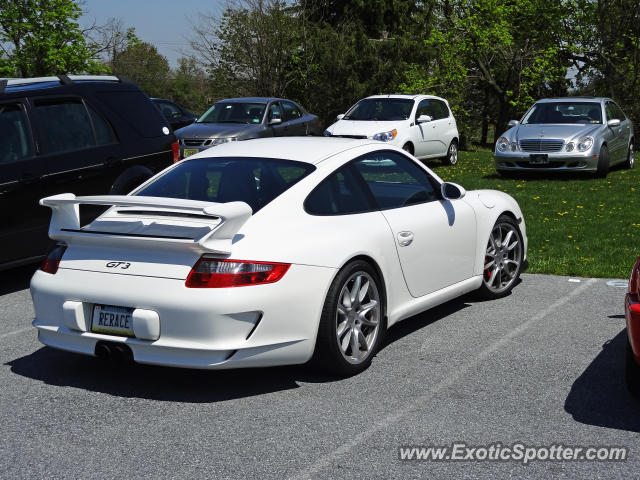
(635, 307)
(175, 148)
(216, 273)
(52, 262)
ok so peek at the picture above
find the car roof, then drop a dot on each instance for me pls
(252, 99)
(311, 150)
(405, 96)
(572, 99)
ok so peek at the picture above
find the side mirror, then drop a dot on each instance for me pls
(614, 122)
(452, 191)
(513, 123)
(424, 119)
(275, 121)
(340, 117)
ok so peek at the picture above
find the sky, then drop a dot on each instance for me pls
(164, 23)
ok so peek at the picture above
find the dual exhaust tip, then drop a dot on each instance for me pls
(114, 352)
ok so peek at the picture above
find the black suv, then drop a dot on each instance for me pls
(88, 135)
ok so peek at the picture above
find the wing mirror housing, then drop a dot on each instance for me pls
(424, 119)
(452, 191)
(340, 117)
(275, 121)
(513, 123)
(614, 122)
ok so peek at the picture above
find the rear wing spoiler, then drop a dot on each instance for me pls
(226, 218)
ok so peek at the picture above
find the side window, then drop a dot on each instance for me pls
(441, 109)
(340, 193)
(291, 111)
(618, 112)
(104, 132)
(395, 181)
(275, 111)
(611, 113)
(169, 110)
(425, 108)
(15, 140)
(64, 125)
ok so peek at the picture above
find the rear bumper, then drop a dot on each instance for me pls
(264, 325)
(633, 325)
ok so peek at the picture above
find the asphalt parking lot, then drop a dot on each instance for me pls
(542, 366)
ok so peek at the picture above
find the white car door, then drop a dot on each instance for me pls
(432, 136)
(435, 239)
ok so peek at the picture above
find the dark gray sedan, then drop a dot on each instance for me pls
(236, 119)
(577, 134)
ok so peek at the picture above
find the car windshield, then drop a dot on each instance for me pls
(381, 109)
(234, 112)
(564, 112)
(256, 181)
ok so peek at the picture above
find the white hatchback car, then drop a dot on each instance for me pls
(423, 125)
(271, 252)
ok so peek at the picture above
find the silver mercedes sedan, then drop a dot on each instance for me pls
(567, 134)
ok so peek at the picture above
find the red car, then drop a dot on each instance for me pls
(632, 315)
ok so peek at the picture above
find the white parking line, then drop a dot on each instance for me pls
(392, 418)
(15, 332)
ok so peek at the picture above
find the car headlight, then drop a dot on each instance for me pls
(386, 136)
(502, 144)
(327, 133)
(585, 143)
(220, 141)
(569, 147)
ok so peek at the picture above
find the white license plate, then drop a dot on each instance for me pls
(112, 320)
(189, 151)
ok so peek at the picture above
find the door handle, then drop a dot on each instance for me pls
(405, 238)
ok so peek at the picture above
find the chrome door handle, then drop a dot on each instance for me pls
(405, 238)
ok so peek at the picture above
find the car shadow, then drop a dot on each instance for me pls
(16, 279)
(64, 369)
(599, 396)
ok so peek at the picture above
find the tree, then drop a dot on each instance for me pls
(141, 63)
(247, 50)
(190, 86)
(108, 41)
(42, 37)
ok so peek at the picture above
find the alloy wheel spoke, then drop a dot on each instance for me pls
(363, 291)
(342, 328)
(362, 340)
(344, 343)
(507, 238)
(346, 299)
(355, 290)
(513, 245)
(355, 349)
(490, 263)
(511, 262)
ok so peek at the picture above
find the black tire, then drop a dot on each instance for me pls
(631, 160)
(408, 147)
(503, 259)
(130, 179)
(603, 162)
(452, 154)
(632, 372)
(328, 355)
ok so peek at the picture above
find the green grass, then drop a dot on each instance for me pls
(577, 225)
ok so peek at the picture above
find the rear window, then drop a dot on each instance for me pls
(256, 181)
(136, 110)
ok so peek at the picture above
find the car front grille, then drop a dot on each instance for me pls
(351, 136)
(196, 142)
(541, 145)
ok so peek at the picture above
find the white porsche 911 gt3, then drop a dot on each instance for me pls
(270, 252)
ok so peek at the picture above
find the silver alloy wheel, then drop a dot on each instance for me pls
(503, 257)
(358, 317)
(631, 159)
(453, 153)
